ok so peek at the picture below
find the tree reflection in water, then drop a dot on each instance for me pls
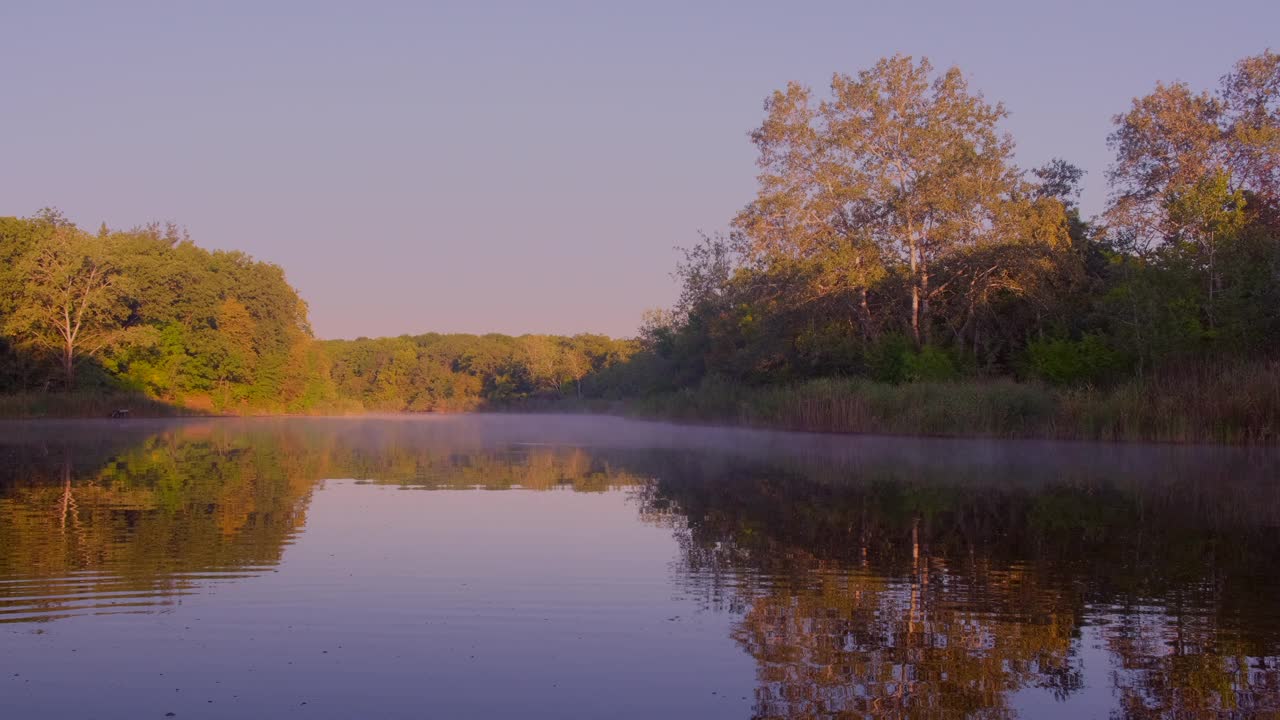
(881, 583)
(132, 523)
(885, 597)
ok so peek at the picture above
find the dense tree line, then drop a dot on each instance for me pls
(148, 311)
(435, 372)
(892, 236)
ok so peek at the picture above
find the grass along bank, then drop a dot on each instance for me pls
(1237, 404)
(88, 404)
(99, 404)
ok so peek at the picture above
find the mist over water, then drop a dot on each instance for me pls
(560, 566)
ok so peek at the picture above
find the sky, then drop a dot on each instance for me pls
(514, 167)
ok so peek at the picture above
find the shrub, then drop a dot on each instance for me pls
(1064, 362)
(887, 358)
(930, 364)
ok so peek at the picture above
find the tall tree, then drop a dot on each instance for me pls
(1168, 142)
(898, 165)
(1182, 156)
(1191, 170)
(71, 299)
(1251, 98)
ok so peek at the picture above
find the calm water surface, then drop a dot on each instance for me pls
(569, 567)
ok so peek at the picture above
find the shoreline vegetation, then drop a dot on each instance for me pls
(1230, 405)
(1236, 408)
(895, 273)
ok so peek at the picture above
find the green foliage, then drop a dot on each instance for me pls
(887, 358)
(153, 313)
(1062, 361)
(435, 372)
(219, 332)
(922, 276)
(930, 364)
(894, 359)
(824, 277)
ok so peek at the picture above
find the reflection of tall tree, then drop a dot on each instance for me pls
(1176, 661)
(144, 522)
(928, 598)
(850, 643)
(865, 586)
(88, 524)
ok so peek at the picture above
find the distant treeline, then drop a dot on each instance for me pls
(149, 312)
(146, 311)
(892, 239)
(436, 372)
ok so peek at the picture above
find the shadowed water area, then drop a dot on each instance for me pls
(538, 566)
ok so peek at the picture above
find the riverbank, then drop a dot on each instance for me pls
(36, 405)
(1235, 405)
(86, 404)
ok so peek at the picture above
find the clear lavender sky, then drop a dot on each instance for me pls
(513, 166)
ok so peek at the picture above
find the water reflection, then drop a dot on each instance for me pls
(108, 524)
(864, 577)
(137, 527)
(891, 598)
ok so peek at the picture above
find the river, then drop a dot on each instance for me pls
(494, 566)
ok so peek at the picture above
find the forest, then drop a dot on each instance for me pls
(146, 313)
(895, 271)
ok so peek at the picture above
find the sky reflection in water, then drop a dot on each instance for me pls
(584, 567)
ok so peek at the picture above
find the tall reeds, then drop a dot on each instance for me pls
(1237, 403)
